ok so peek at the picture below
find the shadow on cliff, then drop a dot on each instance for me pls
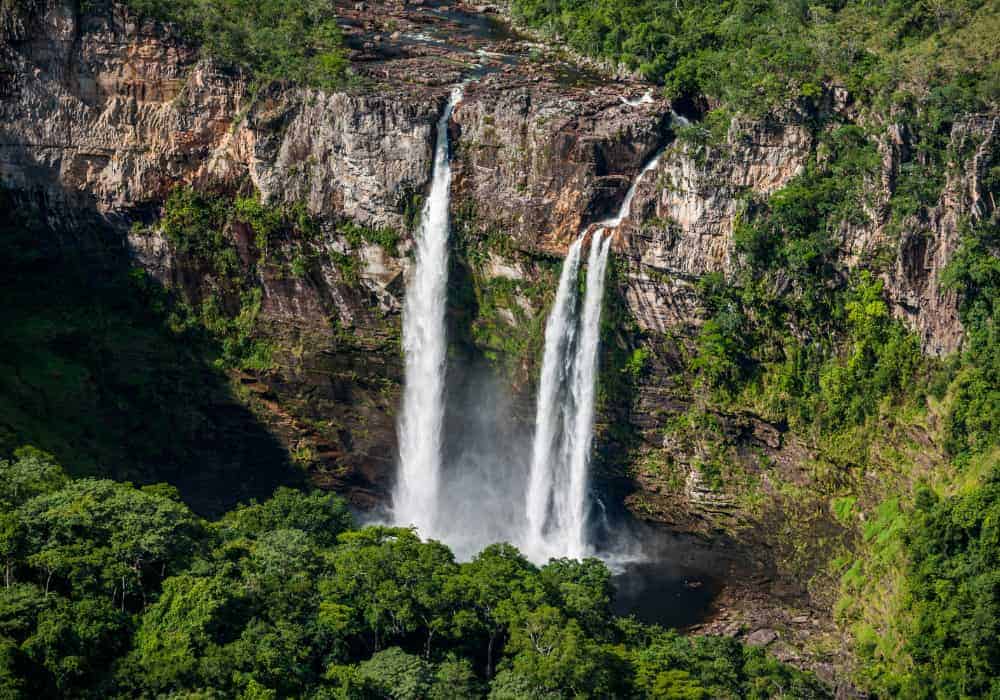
(94, 369)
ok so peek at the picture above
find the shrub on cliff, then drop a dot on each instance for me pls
(273, 40)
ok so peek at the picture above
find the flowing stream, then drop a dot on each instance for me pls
(418, 484)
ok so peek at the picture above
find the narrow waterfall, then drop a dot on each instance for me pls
(584, 391)
(547, 447)
(556, 499)
(415, 501)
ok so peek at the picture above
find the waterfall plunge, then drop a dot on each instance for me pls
(557, 489)
(481, 497)
(556, 501)
(584, 388)
(415, 500)
(550, 415)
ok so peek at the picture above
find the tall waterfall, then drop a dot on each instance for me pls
(564, 417)
(584, 387)
(556, 502)
(547, 447)
(415, 501)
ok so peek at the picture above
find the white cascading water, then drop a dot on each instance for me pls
(479, 497)
(557, 502)
(584, 388)
(646, 98)
(415, 500)
(547, 447)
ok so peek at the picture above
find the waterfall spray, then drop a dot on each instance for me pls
(415, 500)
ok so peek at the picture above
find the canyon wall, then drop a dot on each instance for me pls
(105, 114)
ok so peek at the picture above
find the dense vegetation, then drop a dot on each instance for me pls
(272, 40)
(796, 338)
(751, 55)
(116, 377)
(115, 591)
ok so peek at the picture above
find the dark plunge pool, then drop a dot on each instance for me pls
(666, 578)
(664, 593)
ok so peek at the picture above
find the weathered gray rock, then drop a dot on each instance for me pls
(761, 637)
(540, 162)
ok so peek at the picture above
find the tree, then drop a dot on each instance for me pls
(454, 679)
(954, 584)
(496, 586)
(11, 676)
(581, 589)
(192, 615)
(32, 473)
(103, 536)
(555, 654)
(393, 673)
(76, 641)
(322, 516)
(394, 583)
(508, 685)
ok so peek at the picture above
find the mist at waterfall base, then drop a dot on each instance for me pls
(471, 471)
(499, 478)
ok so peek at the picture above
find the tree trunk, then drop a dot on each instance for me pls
(489, 655)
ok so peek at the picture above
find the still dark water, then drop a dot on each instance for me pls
(665, 593)
(666, 578)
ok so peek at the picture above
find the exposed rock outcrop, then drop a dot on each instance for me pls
(107, 114)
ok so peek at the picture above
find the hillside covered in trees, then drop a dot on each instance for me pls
(116, 591)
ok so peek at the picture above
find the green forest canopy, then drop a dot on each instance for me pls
(115, 591)
(754, 54)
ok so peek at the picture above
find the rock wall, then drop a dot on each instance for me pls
(105, 116)
(106, 113)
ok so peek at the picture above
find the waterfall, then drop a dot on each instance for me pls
(478, 498)
(560, 330)
(556, 500)
(646, 98)
(584, 389)
(415, 500)
(626, 207)
(680, 119)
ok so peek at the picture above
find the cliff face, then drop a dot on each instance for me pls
(104, 113)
